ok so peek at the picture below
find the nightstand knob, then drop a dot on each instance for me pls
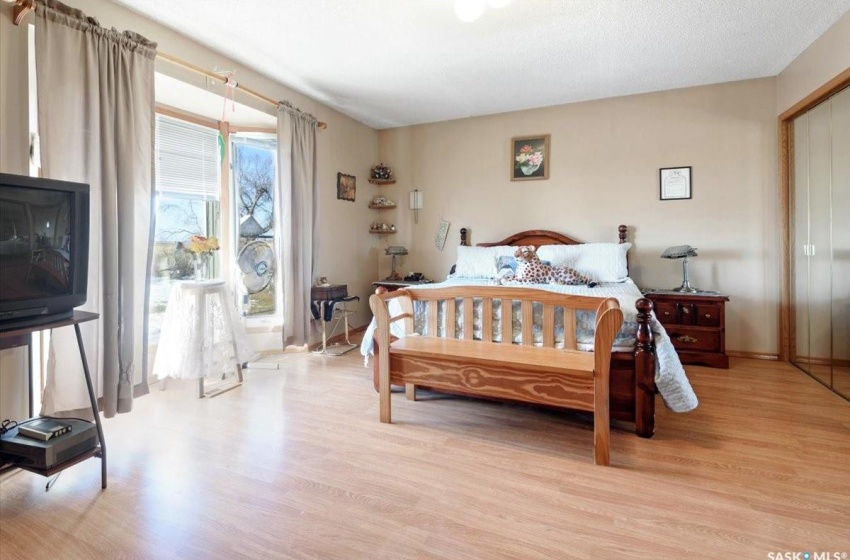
(686, 338)
(667, 313)
(708, 315)
(685, 310)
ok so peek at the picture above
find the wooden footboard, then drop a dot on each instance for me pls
(563, 377)
(632, 378)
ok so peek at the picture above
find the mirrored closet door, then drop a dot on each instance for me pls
(820, 242)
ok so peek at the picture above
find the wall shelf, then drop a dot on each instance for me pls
(382, 231)
(382, 206)
(382, 181)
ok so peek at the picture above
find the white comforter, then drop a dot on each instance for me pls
(670, 377)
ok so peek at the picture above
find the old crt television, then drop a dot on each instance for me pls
(44, 249)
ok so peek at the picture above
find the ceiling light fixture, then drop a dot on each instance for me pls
(469, 10)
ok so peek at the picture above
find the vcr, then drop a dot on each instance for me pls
(32, 452)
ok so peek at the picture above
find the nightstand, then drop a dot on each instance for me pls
(696, 324)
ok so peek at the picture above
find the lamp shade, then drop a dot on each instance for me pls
(682, 252)
(679, 252)
(396, 250)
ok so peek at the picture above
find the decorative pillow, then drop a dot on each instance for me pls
(605, 262)
(479, 262)
(509, 262)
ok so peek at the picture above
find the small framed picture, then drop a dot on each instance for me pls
(346, 186)
(530, 157)
(675, 183)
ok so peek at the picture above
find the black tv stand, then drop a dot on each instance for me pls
(22, 336)
(37, 322)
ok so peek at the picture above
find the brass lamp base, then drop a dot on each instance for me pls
(686, 288)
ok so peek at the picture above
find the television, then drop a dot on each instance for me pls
(44, 249)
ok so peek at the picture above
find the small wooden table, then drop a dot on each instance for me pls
(22, 336)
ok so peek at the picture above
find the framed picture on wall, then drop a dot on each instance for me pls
(675, 183)
(346, 186)
(530, 157)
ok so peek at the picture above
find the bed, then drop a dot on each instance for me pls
(644, 362)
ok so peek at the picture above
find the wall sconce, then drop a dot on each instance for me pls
(682, 252)
(416, 204)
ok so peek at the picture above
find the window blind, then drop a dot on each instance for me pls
(187, 159)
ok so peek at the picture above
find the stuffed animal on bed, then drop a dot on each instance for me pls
(530, 270)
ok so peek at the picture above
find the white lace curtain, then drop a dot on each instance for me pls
(96, 123)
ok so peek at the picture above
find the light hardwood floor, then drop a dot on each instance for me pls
(295, 464)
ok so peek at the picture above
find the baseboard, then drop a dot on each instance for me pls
(752, 355)
(821, 361)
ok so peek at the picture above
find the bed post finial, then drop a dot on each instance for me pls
(644, 372)
(463, 240)
(623, 233)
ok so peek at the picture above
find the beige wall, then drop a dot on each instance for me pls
(605, 159)
(824, 59)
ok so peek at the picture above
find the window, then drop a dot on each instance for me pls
(188, 183)
(254, 173)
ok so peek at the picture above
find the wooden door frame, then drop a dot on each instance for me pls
(786, 142)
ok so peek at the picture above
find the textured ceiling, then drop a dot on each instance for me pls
(391, 63)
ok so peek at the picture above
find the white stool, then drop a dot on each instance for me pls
(201, 336)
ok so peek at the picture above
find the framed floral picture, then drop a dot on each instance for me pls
(346, 186)
(530, 157)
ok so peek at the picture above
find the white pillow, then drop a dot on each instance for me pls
(604, 262)
(479, 262)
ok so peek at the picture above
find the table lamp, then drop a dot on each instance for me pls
(395, 251)
(682, 252)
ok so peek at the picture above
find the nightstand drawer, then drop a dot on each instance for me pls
(689, 338)
(707, 315)
(666, 313)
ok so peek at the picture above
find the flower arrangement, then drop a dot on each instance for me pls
(529, 159)
(201, 245)
(382, 172)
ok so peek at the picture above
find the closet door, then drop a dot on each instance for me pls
(841, 242)
(800, 351)
(820, 242)
(820, 252)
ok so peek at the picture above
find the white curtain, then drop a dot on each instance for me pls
(96, 123)
(296, 218)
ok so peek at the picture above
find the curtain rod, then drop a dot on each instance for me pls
(223, 79)
(23, 7)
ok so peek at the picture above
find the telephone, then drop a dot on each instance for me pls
(414, 277)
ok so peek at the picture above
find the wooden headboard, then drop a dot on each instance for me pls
(539, 237)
